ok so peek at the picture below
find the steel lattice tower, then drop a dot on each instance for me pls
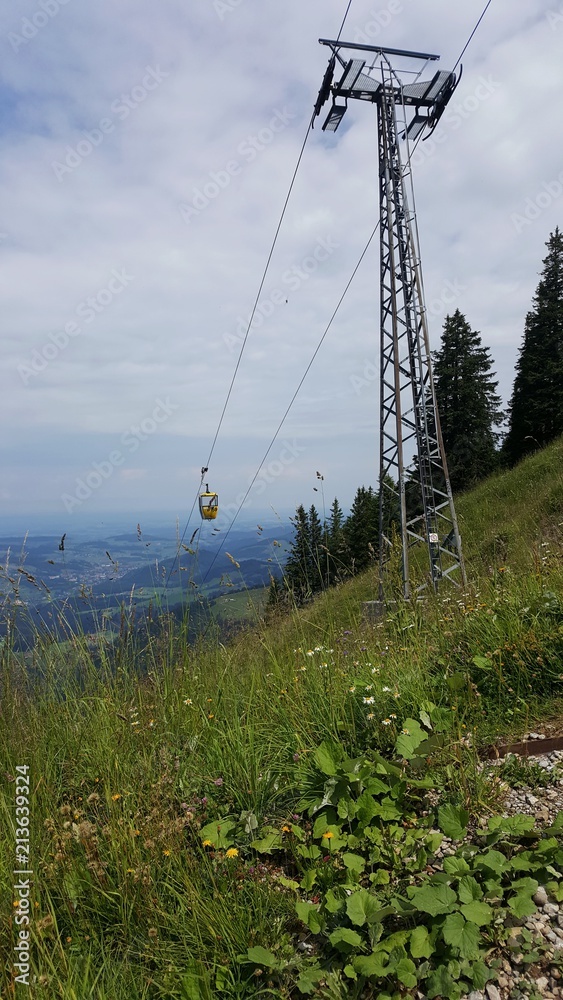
(417, 498)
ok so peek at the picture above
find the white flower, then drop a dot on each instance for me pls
(386, 722)
(369, 701)
(352, 689)
(385, 690)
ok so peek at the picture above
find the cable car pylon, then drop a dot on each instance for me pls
(415, 497)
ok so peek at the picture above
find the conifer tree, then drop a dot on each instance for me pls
(536, 407)
(317, 550)
(336, 543)
(362, 529)
(468, 404)
(298, 572)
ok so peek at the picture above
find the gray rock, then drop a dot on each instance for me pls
(492, 992)
(551, 910)
(540, 897)
(476, 995)
(542, 983)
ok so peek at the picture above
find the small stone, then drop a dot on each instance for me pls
(542, 983)
(540, 896)
(551, 910)
(492, 992)
(475, 995)
(531, 799)
(542, 814)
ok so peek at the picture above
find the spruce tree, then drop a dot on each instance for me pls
(336, 542)
(536, 407)
(298, 571)
(468, 404)
(362, 529)
(317, 542)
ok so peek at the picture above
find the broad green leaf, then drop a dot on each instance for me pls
(219, 833)
(453, 821)
(311, 853)
(406, 973)
(354, 862)
(522, 905)
(516, 825)
(441, 984)
(480, 975)
(367, 808)
(350, 972)
(478, 913)
(271, 842)
(371, 965)
(307, 982)
(456, 866)
(434, 899)
(345, 940)
(328, 757)
(483, 662)
(380, 877)
(308, 880)
(420, 943)
(309, 914)
(362, 907)
(289, 883)
(261, 956)
(332, 903)
(493, 860)
(410, 738)
(462, 934)
(469, 889)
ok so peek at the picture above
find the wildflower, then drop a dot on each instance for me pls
(309, 652)
(166, 853)
(208, 843)
(369, 687)
(151, 724)
(328, 835)
(405, 732)
(369, 701)
(211, 716)
(286, 829)
(386, 722)
(135, 723)
(232, 852)
(188, 701)
(352, 689)
(323, 666)
(218, 782)
(153, 933)
(391, 716)
(371, 716)
(116, 797)
(396, 694)
(386, 690)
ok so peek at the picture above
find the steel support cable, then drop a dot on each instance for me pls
(294, 397)
(466, 46)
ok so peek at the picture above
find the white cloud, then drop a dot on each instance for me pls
(204, 133)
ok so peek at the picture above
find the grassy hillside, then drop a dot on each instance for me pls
(197, 833)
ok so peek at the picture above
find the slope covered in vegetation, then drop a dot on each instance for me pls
(265, 819)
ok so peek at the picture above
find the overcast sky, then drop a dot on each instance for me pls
(146, 152)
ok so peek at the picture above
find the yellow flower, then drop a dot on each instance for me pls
(166, 854)
(328, 835)
(232, 852)
(114, 798)
(286, 829)
(211, 716)
(208, 843)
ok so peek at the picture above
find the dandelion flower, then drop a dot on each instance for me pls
(328, 835)
(232, 852)
(115, 797)
(208, 843)
(286, 829)
(166, 853)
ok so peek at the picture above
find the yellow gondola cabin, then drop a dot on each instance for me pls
(208, 504)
